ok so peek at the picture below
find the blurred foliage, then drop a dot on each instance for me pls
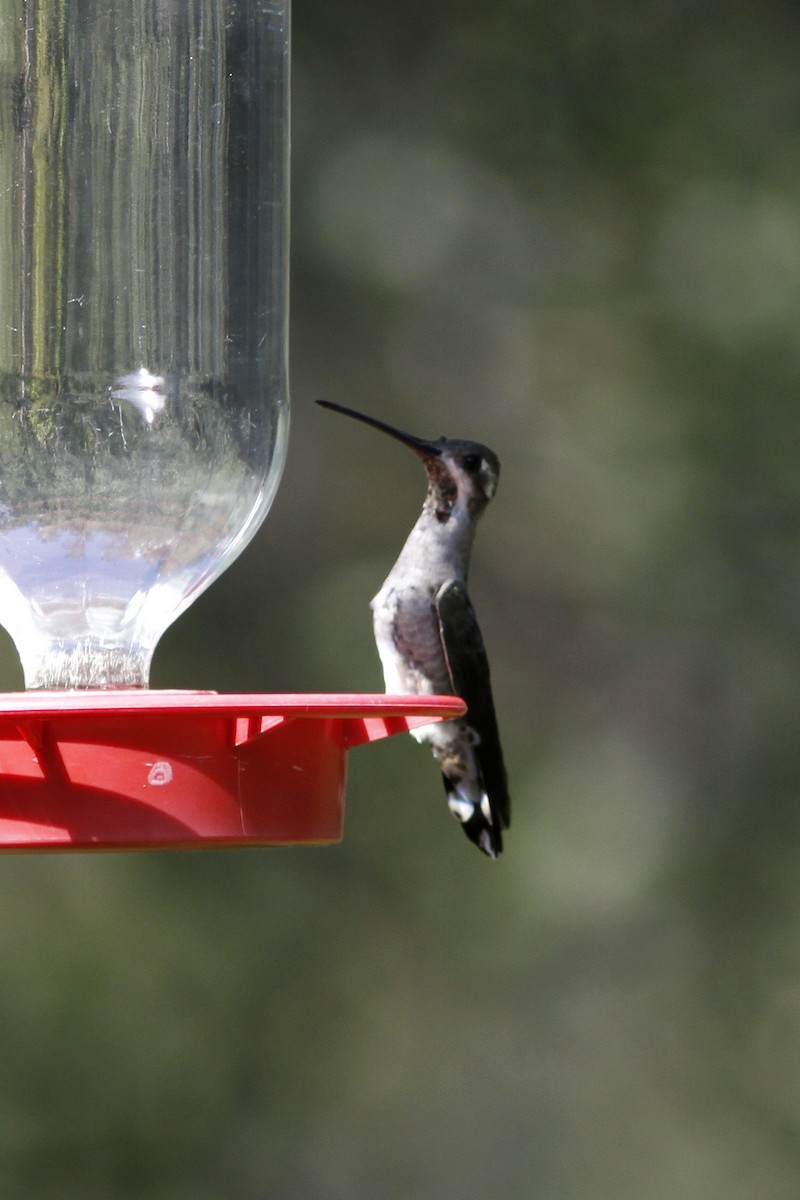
(572, 232)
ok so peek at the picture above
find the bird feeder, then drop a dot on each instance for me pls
(143, 424)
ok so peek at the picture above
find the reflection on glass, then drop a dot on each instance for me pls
(141, 389)
(143, 396)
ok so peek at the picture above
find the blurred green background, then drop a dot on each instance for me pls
(573, 232)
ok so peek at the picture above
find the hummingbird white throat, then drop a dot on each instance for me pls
(427, 635)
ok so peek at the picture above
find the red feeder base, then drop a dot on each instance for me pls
(149, 770)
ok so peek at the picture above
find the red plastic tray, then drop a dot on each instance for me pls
(157, 770)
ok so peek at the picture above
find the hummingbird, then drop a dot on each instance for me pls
(427, 634)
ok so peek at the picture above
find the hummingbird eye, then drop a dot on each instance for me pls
(471, 462)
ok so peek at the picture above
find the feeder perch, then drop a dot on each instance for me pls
(132, 771)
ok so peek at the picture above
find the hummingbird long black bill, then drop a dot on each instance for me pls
(421, 445)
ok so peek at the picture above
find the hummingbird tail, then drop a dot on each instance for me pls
(475, 817)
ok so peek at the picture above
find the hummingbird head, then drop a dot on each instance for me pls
(461, 475)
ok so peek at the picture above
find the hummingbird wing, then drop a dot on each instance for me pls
(468, 666)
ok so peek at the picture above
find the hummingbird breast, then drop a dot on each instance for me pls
(409, 642)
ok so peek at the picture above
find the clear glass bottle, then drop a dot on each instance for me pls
(143, 316)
